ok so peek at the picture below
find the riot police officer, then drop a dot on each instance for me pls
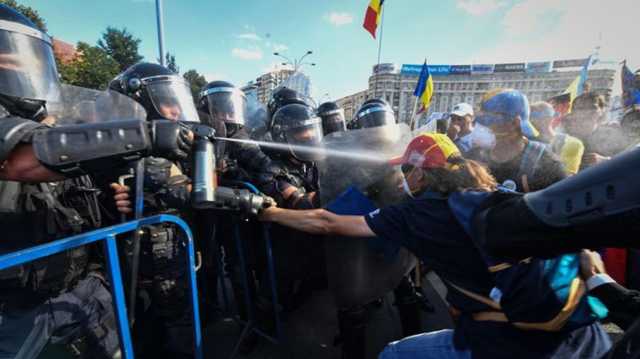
(60, 298)
(332, 118)
(375, 127)
(165, 95)
(298, 132)
(225, 107)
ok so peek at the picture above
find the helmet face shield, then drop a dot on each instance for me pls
(375, 116)
(306, 139)
(227, 104)
(333, 121)
(299, 127)
(171, 97)
(27, 65)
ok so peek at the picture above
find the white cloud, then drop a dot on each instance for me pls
(251, 36)
(550, 29)
(480, 7)
(280, 47)
(247, 54)
(338, 18)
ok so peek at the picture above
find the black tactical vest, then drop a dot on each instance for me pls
(33, 214)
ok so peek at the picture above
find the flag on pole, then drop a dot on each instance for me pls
(372, 16)
(630, 93)
(563, 102)
(424, 88)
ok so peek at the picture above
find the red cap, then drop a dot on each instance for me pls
(428, 150)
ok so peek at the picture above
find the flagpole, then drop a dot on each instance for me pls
(381, 33)
(375, 85)
(412, 124)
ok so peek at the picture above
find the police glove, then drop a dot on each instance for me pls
(170, 140)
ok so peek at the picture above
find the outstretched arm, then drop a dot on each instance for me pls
(318, 221)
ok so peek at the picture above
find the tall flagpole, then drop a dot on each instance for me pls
(375, 84)
(381, 32)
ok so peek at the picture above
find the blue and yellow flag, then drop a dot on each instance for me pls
(424, 89)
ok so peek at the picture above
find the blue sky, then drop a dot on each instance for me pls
(235, 39)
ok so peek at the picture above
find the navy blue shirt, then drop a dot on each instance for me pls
(427, 227)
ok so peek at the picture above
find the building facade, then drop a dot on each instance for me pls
(467, 83)
(351, 103)
(263, 86)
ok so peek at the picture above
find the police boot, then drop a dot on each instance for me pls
(352, 324)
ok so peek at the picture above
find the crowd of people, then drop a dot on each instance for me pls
(63, 176)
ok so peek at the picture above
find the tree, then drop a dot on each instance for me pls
(196, 82)
(121, 46)
(92, 68)
(27, 11)
(170, 61)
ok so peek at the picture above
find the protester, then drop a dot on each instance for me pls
(461, 127)
(427, 226)
(585, 122)
(568, 148)
(516, 158)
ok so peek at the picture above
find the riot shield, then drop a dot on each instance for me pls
(361, 270)
(302, 84)
(82, 105)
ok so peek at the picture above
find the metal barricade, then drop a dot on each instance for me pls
(250, 323)
(108, 235)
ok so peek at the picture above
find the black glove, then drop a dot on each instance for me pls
(170, 140)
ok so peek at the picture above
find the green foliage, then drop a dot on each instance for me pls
(93, 68)
(27, 11)
(196, 82)
(121, 45)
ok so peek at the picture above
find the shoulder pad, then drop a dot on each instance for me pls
(13, 130)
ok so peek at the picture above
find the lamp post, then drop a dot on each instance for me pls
(296, 63)
(160, 31)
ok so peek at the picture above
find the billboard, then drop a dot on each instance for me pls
(513, 67)
(482, 69)
(385, 69)
(415, 70)
(569, 63)
(460, 69)
(539, 67)
(411, 70)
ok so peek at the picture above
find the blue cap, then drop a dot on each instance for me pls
(502, 105)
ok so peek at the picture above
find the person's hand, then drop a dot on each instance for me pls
(592, 159)
(267, 214)
(122, 198)
(590, 264)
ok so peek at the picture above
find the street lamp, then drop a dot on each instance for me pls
(296, 63)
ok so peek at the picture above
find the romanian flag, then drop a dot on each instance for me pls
(372, 16)
(424, 88)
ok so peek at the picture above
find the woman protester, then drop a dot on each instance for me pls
(428, 225)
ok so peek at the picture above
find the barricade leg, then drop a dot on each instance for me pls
(195, 305)
(117, 292)
(272, 279)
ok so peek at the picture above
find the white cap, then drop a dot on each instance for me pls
(462, 109)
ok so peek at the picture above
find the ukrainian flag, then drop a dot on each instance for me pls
(424, 89)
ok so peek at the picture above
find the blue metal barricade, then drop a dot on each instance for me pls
(109, 236)
(250, 323)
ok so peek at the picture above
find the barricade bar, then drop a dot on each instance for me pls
(108, 235)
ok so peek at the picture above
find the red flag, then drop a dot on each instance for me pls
(372, 16)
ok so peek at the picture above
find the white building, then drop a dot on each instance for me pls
(467, 83)
(264, 85)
